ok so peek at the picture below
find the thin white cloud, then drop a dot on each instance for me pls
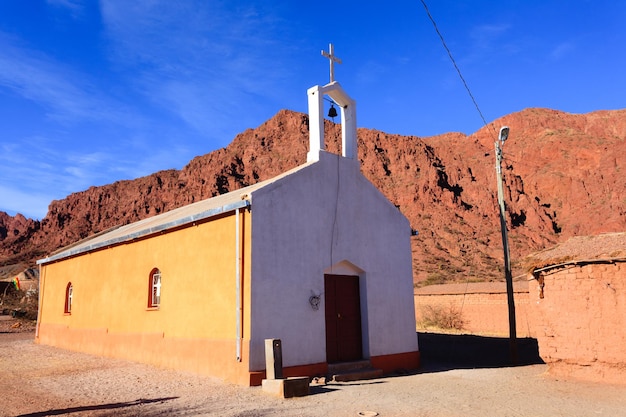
(66, 95)
(561, 50)
(197, 60)
(487, 42)
(484, 36)
(188, 41)
(39, 165)
(75, 8)
(28, 204)
(73, 5)
(371, 72)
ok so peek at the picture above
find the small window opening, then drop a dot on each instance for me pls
(68, 298)
(154, 288)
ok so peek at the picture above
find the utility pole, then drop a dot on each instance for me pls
(504, 134)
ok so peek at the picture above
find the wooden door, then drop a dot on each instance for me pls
(342, 298)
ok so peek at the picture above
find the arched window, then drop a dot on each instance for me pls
(68, 298)
(154, 288)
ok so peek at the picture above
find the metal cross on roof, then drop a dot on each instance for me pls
(332, 58)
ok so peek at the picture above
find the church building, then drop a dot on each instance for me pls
(316, 257)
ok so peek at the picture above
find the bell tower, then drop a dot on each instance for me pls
(347, 107)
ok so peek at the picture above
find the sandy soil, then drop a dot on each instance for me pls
(41, 380)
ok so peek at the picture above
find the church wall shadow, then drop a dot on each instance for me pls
(441, 352)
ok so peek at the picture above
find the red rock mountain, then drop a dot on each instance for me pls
(563, 174)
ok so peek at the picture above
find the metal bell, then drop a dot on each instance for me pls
(332, 112)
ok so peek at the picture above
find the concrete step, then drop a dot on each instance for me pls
(353, 371)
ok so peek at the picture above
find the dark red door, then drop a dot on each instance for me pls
(343, 318)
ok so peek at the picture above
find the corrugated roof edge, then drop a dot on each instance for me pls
(147, 232)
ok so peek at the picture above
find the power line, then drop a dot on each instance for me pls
(455, 65)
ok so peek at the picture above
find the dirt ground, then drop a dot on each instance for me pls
(38, 380)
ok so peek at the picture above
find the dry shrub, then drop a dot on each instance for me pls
(23, 303)
(443, 317)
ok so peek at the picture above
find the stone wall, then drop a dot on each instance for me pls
(579, 323)
(482, 307)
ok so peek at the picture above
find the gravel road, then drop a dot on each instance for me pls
(41, 380)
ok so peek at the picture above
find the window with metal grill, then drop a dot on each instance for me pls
(154, 289)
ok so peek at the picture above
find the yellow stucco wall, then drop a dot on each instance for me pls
(195, 325)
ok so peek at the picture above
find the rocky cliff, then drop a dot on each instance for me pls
(561, 171)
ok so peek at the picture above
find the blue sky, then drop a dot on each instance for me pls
(95, 92)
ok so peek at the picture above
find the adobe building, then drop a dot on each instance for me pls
(578, 307)
(316, 257)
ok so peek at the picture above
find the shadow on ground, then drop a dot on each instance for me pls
(87, 408)
(442, 352)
